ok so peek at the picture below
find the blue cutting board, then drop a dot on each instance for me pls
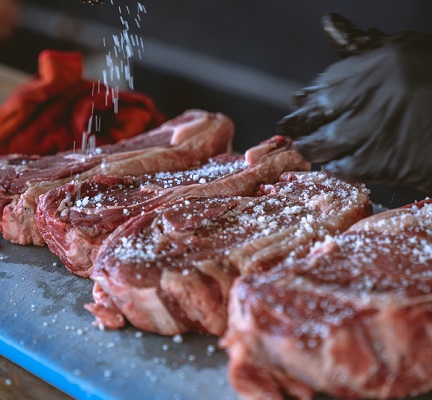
(44, 329)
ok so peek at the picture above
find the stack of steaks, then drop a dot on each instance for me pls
(308, 292)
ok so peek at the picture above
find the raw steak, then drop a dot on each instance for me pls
(183, 142)
(352, 319)
(74, 219)
(170, 270)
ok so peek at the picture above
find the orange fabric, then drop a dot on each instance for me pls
(50, 112)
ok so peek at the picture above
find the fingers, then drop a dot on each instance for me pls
(339, 31)
(370, 163)
(345, 169)
(353, 169)
(303, 95)
(303, 121)
(346, 39)
(314, 110)
(339, 88)
(333, 140)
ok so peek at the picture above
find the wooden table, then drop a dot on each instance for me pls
(15, 382)
(18, 384)
(9, 79)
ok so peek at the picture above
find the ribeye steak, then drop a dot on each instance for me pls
(170, 270)
(352, 319)
(185, 141)
(75, 218)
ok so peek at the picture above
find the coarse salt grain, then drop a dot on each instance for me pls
(177, 339)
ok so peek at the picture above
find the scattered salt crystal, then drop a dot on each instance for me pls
(221, 381)
(211, 350)
(8, 381)
(279, 308)
(177, 339)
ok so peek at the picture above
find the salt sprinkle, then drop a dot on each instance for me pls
(177, 339)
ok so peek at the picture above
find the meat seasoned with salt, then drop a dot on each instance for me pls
(185, 141)
(170, 270)
(75, 218)
(352, 319)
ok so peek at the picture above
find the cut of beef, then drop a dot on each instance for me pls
(170, 270)
(352, 319)
(183, 142)
(74, 219)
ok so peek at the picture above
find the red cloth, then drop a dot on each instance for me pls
(50, 112)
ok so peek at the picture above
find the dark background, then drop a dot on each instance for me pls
(245, 58)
